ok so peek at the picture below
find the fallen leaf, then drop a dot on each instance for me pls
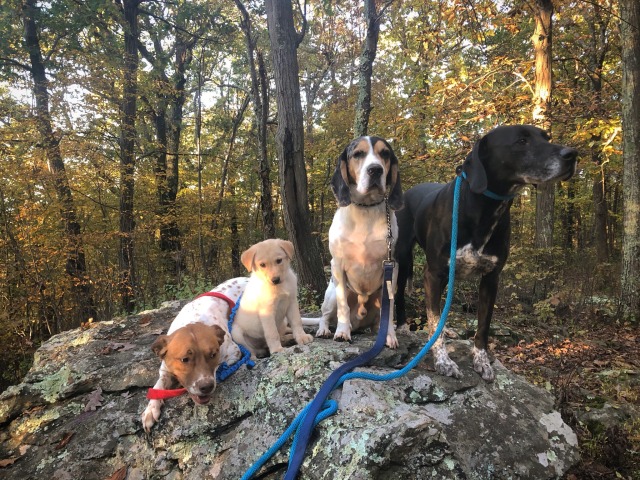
(119, 474)
(145, 320)
(94, 400)
(63, 443)
(7, 461)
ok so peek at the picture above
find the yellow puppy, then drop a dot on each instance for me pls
(269, 303)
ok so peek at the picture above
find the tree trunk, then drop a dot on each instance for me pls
(75, 262)
(542, 42)
(127, 155)
(601, 213)
(290, 145)
(260, 94)
(367, 57)
(630, 36)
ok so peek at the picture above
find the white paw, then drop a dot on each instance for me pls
(482, 365)
(444, 365)
(231, 354)
(151, 414)
(343, 333)
(392, 341)
(323, 332)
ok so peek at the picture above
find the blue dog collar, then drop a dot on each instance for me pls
(490, 194)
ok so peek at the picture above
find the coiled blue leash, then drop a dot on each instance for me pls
(304, 423)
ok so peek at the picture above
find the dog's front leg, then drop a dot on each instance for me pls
(433, 287)
(270, 328)
(295, 322)
(486, 299)
(343, 329)
(329, 310)
(151, 414)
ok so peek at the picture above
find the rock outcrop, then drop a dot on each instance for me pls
(77, 415)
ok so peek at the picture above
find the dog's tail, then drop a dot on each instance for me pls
(310, 321)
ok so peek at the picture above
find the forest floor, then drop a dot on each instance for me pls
(592, 366)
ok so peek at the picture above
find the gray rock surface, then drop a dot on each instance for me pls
(76, 415)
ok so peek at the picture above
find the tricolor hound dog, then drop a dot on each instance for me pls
(366, 184)
(501, 163)
(197, 342)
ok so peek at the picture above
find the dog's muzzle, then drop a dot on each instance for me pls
(570, 155)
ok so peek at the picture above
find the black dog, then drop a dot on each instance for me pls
(501, 163)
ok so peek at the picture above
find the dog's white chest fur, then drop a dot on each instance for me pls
(359, 238)
(470, 261)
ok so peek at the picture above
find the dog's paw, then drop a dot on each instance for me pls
(151, 414)
(323, 332)
(231, 354)
(482, 365)
(444, 365)
(392, 341)
(304, 339)
(276, 349)
(343, 333)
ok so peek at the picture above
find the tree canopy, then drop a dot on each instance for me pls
(445, 72)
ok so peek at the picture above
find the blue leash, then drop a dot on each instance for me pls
(224, 370)
(303, 431)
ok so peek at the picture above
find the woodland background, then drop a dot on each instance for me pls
(145, 144)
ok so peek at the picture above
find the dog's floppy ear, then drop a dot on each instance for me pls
(159, 347)
(219, 333)
(287, 246)
(472, 166)
(396, 200)
(340, 180)
(247, 258)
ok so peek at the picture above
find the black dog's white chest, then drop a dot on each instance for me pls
(470, 261)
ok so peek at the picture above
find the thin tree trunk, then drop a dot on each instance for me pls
(213, 250)
(630, 35)
(260, 94)
(127, 155)
(365, 71)
(290, 145)
(542, 43)
(75, 266)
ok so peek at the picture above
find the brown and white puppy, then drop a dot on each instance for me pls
(366, 179)
(197, 342)
(269, 304)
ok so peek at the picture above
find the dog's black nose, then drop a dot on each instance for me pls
(569, 153)
(275, 280)
(205, 386)
(375, 170)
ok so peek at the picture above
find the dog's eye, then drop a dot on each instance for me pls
(523, 141)
(213, 354)
(184, 359)
(385, 154)
(262, 264)
(359, 154)
(279, 261)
